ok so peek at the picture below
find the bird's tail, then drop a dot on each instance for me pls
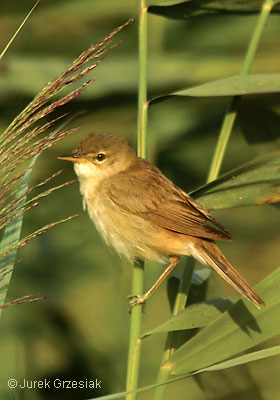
(212, 255)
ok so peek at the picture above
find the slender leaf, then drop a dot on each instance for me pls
(254, 356)
(255, 183)
(11, 238)
(17, 31)
(237, 330)
(194, 316)
(197, 8)
(234, 86)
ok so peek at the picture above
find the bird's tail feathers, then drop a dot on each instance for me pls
(212, 255)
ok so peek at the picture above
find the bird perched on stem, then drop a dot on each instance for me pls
(141, 213)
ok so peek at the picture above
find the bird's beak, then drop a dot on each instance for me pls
(71, 157)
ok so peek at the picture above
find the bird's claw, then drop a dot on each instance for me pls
(137, 300)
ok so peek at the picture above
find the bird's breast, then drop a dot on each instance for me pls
(109, 222)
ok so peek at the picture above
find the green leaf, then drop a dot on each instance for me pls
(237, 330)
(194, 316)
(255, 183)
(235, 85)
(257, 355)
(11, 238)
(254, 356)
(198, 8)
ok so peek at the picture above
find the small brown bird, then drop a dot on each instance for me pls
(141, 213)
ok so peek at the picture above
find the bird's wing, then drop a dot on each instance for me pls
(146, 192)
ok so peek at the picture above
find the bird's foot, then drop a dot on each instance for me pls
(137, 300)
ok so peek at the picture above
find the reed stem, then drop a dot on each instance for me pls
(172, 337)
(231, 112)
(138, 275)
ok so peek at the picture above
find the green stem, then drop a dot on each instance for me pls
(172, 337)
(17, 31)
(266, 9)
(138, 275)
(135, 332)
(231, 113)
(142, 89)
(223, 139)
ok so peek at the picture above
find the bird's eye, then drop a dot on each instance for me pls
(100, 157)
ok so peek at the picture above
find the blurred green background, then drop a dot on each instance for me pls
(81, 330)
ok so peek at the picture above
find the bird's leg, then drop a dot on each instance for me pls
(141, 299)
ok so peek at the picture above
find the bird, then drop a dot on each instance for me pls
(143, 214)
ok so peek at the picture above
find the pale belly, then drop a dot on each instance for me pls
(129, 235)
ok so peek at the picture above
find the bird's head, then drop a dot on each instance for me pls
(99, 156)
